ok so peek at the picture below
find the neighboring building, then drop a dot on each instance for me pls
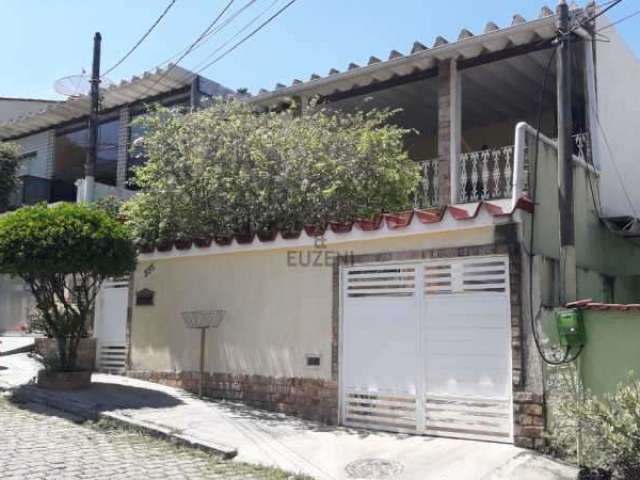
(53, 140)
(425, 325)
(11, 107)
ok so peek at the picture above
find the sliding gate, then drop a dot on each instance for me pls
(426, 348)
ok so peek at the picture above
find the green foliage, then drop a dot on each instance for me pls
(64, 253)
(8, 168)
(226, 169)
(609, 428)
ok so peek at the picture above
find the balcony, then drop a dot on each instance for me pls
(488, 174)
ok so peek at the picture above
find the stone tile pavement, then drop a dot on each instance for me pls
(295, 445)
(36, 443)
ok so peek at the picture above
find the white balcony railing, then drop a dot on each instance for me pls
(485, 174)
(427, 192)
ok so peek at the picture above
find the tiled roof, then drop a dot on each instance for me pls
(410, 222)
(467, 45)
(591, 305)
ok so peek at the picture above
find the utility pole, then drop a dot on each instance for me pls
(92, 150)
(568, 291)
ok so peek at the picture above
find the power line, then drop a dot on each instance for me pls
(631, 15)
(247, 37)
(216, 30)
(235, 35)
(142, 39)
(193, 45)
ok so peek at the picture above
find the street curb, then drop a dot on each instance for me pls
(33, 394)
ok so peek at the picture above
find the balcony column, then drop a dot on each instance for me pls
(449, 127)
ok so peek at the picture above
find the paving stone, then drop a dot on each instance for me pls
(36, 445)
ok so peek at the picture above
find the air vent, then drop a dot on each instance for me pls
(379, 281)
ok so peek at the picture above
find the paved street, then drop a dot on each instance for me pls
(38, 445)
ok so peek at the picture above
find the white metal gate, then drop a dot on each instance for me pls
(110, 326)
(426, 348)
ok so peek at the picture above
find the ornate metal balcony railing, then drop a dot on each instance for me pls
(488, 174)
(427, 192)
(485, 174)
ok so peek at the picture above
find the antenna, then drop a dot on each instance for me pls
(79, 85)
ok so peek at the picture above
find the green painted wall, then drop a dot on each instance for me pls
(613, 348)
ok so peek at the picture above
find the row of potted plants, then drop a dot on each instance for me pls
(392, 220)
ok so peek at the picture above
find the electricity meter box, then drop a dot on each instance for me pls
(570, 327)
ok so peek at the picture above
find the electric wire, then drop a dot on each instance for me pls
(617, 22)
(213, 32)
(235, 35)
(248, 36)
(532, 187)
(142, 39)
(191, 47)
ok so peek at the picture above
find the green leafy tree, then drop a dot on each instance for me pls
(8, 179)
(228, 170)
(64, 253)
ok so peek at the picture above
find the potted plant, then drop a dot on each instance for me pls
(398, 220)
(368, 221)
(183, 242)
(203, 241)
(72, 249)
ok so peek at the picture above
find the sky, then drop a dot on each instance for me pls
(43, 40)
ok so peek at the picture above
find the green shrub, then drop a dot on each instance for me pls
(610, 429)
(64, 253)
(226, 169)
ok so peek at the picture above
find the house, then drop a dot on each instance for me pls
(11, 107)
(52, 137)
(423, 324)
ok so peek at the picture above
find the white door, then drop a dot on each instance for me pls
(426, 348)
(110, 326)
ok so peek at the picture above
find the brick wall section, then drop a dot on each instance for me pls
(444, 132)
(528, 417)
(309, 398)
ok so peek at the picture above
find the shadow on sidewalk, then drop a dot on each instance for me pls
(98, 398)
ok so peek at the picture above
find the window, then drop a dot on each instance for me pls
(71, 154)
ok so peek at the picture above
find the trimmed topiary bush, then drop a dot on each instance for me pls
(64, 253)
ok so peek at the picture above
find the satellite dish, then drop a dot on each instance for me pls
(78, 85)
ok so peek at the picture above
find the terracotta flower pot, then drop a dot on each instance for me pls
(369, 224)
(164, 245)
(183, 244)
(398, 220)
(291, 233)
(430, 215)
(146, 248)
(202, 242)
(64, 380)
(268, 235)
(314, 230)
(244, 238)
(341, 227)
(223, 240)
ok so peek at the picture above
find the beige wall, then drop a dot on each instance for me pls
(276, 314)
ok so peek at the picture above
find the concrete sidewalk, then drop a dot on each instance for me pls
(289, 443)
